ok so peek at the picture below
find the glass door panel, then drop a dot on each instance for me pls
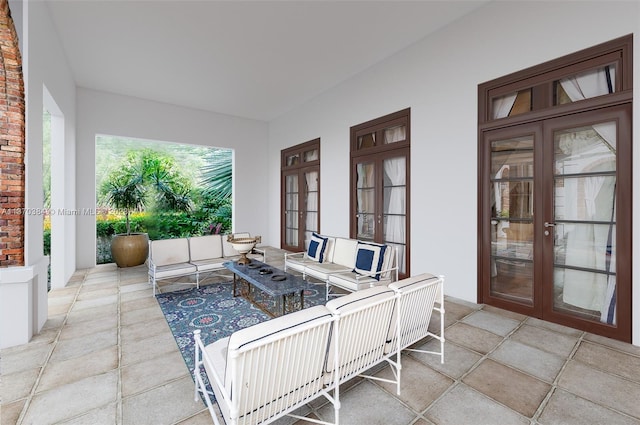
(366, 200)
(585, 222)
(311, 196)
(511, 257)
(394, 206)
(291, 209)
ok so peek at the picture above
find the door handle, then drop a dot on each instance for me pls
(547, 225)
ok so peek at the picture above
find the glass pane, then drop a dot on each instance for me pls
(365, 197)
(394, 202)
(585, 228)
(512, 158)
(291, 210)
(592, 83)
(293, 160)
(395, 134)
(584, 198)
(311, 202)
(367, 141)
(586, 150)
(512, 219)
(511, 104)
(311, 155)
(512, 178)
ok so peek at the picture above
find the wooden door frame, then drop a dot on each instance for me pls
(378, 154)
(484, 230)
(624, 222)
(299, 168)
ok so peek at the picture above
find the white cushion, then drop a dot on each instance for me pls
(212, 264)
(205, 247)
(217, 354)
(169, 251)
(351, 281)
(369, 259)
(323, 270)
(358, 299)
(298, 263)
(273, 329)
(328, 252)
(180, 269)
(317, 247)
(344, 252)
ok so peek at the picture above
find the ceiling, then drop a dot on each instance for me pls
(254, 59)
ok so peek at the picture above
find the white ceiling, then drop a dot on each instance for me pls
(254, 59)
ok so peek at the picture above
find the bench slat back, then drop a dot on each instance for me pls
(364, 323)
(271, 368)
(418, 296)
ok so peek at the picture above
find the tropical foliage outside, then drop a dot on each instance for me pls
(177, 190)
(165, 190)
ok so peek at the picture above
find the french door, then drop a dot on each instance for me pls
(380, 184)
(556, 220)
(380, 203)
(300, 208)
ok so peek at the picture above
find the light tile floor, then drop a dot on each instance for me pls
(106, 356)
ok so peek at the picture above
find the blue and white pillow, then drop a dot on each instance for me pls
(317, 246)
(369, 259)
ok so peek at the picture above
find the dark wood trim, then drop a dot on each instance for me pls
(299, 169)
(377, 155)
(547, 117)
(619, 50)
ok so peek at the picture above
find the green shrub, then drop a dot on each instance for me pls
(47, 241)
(162, 225)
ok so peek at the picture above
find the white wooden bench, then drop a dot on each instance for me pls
(173, 258)
(266, 371)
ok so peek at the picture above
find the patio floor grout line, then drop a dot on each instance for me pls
(54, 344)
(119, 418)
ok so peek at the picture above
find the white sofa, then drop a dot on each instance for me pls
(266, 371)
(338, 262)
(171, 258)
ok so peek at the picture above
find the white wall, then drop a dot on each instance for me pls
(45, 65)
(438, 79)
(104, 113)
(24, 289)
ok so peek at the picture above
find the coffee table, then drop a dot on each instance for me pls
(270, 289)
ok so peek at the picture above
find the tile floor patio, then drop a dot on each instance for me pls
(106, 356)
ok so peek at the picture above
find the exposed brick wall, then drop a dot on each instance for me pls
(11, 143)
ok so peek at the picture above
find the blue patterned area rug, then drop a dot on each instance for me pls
(214, 310)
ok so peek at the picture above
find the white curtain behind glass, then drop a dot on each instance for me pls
(589, 84)
(366, 200)
(598, 293)
(395, 134)
(292, 210)
(311, 178)
(394, 231)
(502, 106)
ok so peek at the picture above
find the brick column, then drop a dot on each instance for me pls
(12, 141)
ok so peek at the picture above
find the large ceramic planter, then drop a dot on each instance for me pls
(130, 250)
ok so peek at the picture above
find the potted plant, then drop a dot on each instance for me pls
(126, 193)
(127, 189)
